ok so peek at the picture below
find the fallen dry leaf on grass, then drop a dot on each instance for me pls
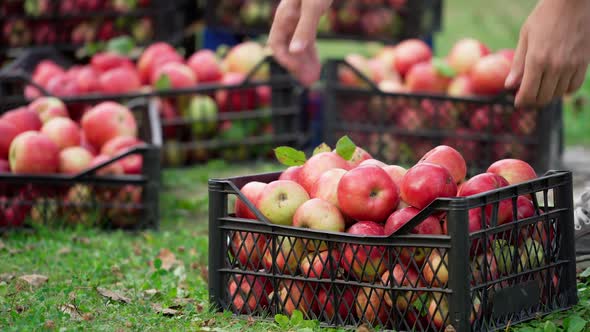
(113, 295)
(6, 277)
(35, 280)
(164, 311)
(150, 292)
(71, 310)
(2, 245)
(64, 251)
(205, 273)
(81, 239)
(168, 259)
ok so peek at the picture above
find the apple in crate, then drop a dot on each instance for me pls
(236, 99)
(126, 208)
(280, 199)
(206, 66)
(410, 52)
(178, 74)
(8, 132)
(425, 77)
(290, 252)
(320, 265)
(4, 166)
(489, 74)
(438, 311)
(515, 171)
(326, 187)
(485, 182)
(404, 276)
(372, 162)
(63, 132)
(243, 57)
(425, 182)
(396, 173)
(359, 155)
(460, 86)
(87, 80)
(25, 156)
(132, 164)
(73, 160)
(23, 119)
(465, 54)
(48, 108)
(202, 112)
(317, 165)
(105, 61)
(371, 307)
(327, 302)
(106, 121)
(114, 168)
(435, 270)
(156, 53)
(249, 292)
(448, 158)
(365, 262)
(367, 193)
(321, 215)
(348, 77)
(119, 80)
(291, 173)
(295, 295)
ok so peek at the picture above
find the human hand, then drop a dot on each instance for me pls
(293, 35)
(553, 52)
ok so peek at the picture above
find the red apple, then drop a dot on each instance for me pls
(295, 295)
(326, 187)
(524, 122)
(371, 307)
(489, 74)
(290, 251)
(387, 57)
(158, 52)
(321, 215)
(372, 162)
(365, 262)
(367, 193)
(248, 248)
(132, 164)
(26, 157)
(107, 120)
(114, 168)
(344, 296)
(279, 201)
(485, 182)
(252, 191)
(8, 132)
(317, 165)
(410, 119)
(480, 120)
(238, 99)
(507, 53)
(524, 208)
(515, 171)
(448, 158)
(424, 77)
(105, 61)
(396, 173)
(435, 270)
(404, 276)
(23, 119)
(425, 182)
(179, 75)
(63, 132)
(205, 66)
(291, 173)
(87, 80)
(119, 80)
(460, 86)
(48, 108)
(4, 166)
(73, 160)
(320, 265)
(410, 52)
(249, 293)
(438, 311)
(465, 54)
(359, 156)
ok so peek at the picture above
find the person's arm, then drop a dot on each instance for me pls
(292, 37)
(553, 52)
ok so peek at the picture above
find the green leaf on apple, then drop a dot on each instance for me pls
(443, 68)
(123, 45)
(322, 148)
(163, 83)
(290, 157)
(345, 147)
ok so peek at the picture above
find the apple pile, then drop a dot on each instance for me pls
(41, 139)
(347, 190)
(29, 30)
(369, 18)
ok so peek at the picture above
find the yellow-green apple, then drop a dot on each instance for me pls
(289, 254)
(206, 66)
(531, 255)
(33, 152)
(63, 132)
(179, 75)
(371, 161)
(425, 182)
(489, 74)
(243, 57)
(157, 53)
(485, 182)
(503, 253)
(367, 193)
(7, 134)
(45, 211)
(291, 173)
(249, 293)
(365, 262)
(252, 191)
(371, 307)
(295, 295)
(326, 187)
(513, 170)
(396, 173)
(465, 54)
(317, 165)
(320, 215)
(203, 114)
(74, 160)
(114, 168)
(320, 264)
(448, 158)
(119, 80)
(347, 76)
(23, 119)
(424, 77)
(132, 164)
(435, 270)
(344, 297)
(106, 121)
(460, 86)
(410, 52)
(359, 156)
(279, 200)
(48, 108)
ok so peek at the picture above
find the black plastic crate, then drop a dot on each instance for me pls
(91, 198)
(236, 122)
(67, 26)
(385, 21)
(399, 128)
(441, 283)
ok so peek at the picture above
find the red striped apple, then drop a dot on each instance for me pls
(7, 134)
(290, 251)
(132, 164)
(252, 191)
(23, 119)
(460, 86)
(326, 187)
(424, 77)
(370, 305)
(485, 182)
(365, 262)
(48, 108)
(425, 182)
(63, 132)
(448, 158)
(114, 168)
(435, 270)
(291, 173)
(249, 293)
(25, 156)
(344, 296)
(317, 165)
(410, 52)
(106, 121)
(396, 173)
(205, 66)
(295, 295)
(359, 156)
(179, 75)
(489, 74)
(320, 265)
(74, 159)
(515, 171)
